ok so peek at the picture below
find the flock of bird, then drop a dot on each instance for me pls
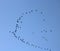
(17, 27)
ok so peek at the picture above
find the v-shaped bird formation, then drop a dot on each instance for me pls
(19, 27)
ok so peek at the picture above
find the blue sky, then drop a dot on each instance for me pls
(41, 27)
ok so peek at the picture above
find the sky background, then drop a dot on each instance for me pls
(33, 24)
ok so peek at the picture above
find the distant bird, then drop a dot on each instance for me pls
(26, 13)
(22, 40)
(41, 12)
(43, 19)
(36, 10)
(31, 10)
(51, 30)
(17, 21)
(18, 37)
(27, 43)
(15, 30)
(32, 45)
(21, 21)
(19, 18)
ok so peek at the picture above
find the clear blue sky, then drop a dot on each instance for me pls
(40, 27)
